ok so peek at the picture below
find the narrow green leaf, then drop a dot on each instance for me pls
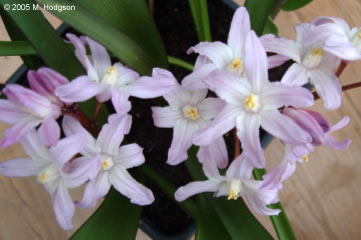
(45, 40)
(292, 5)
(235, 215)
(16, 48)
(129, 16)
(180, 63)
(116, 218)
(270, 27)
(31, 62)
(124, 48)
(199, 12)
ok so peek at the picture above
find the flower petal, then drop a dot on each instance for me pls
(49, 132)
(329, 88)
(178, 97)
(72, 126)
(194, 188)
(276, 60)
(182, 141)
(216, 152)
(129, 187)
(63, 207)
(276, 95)
(224, 121)
(161, 82)
(255, 62)
(80, 53)
(11, 113)
(228, 86)
(165, 117)
(121, 103)
(248, 133)
(240, 26)
(210, 107)
(283, 128)
(112, 134)
(219, 53)
(21, 167)
(95, 189)
(198, 96)
(99, 56)
(240, 168)
(79, 90)
(19, 130)
(130, 155)
(296, 75)
(37, 104)
(194, 81)
(67, 148)
(34, 147)
(281, 46)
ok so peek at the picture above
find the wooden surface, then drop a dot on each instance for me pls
(322, 199)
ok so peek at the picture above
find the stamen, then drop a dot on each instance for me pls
(305, 158)
(237, 63)
(111, 76)
(234, 189)
(251, 102)
(107, 163)
(191, 113)
(43, 177)
(317, 52)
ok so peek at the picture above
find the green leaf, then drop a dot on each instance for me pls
(199, 12)
(45, 40)
(180, 63)
(292, 5)
(270, 27)
(235, 215)
(123, 47)
(31, 62)
(259, 11)
(129, 16)
(16, 48)
(116, 218)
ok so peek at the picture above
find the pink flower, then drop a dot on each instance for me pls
(235, 184)
(107, 81)
(53, 170)
(188, 112)
(217, 55)
(312, 63)
(253, 102)
(110, 162)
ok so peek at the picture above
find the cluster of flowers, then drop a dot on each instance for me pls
(237, 72)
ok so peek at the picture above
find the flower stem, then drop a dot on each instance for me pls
(97, 109)
(237, 144)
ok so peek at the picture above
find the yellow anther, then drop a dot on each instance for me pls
(111, 76)
(43, 177)
(317, 52)
(105, 164)
(232, 195)
(305, 158)
(237, 63)
(250, 102)
(192, 113)
(359, 35)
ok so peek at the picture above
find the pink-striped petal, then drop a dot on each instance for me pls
(282, 47)
(130, 155)
(194, 188)
(165, 117)
(83, 169)
(194, 81)
(296, 75)
(11, 113)
(214, 153)
(210, 107)
(276, 60)
(121, 103)
(49, 132)
(79, 90)
(63, 206)
(99, 56)
(23, 167)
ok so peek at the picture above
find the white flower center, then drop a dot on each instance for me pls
(251, 103)
(107, 163)
(236, 66)
(190, 112)
(313, 57)
(111, 76)
(356, 39)
(48, 174)
(234, 189)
